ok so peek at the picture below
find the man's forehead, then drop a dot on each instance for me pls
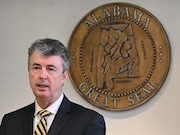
(37, 57)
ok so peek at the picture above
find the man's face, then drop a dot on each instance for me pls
(46, 77)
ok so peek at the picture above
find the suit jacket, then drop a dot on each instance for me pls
(71, 119)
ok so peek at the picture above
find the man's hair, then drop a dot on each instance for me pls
(50, 47)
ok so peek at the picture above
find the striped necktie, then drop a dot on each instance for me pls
(41, 128)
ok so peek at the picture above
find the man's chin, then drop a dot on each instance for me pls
(42, 95)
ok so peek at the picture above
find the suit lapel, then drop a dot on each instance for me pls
(27, 120)
(61, 117)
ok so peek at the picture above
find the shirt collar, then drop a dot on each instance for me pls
(52, 108)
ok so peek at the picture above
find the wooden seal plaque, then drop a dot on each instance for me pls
(120, 56)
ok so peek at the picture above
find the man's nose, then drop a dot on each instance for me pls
(43, 74)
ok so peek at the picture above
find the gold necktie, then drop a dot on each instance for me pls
(41, 128)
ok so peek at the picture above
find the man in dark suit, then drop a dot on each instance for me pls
(48, 64)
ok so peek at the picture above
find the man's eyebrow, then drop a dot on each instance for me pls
(51, 66)
(35, 64)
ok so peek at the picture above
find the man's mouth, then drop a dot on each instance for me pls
(42, 85)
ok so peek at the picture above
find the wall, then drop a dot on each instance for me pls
(24, 21)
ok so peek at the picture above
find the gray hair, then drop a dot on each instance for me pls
(50, 47)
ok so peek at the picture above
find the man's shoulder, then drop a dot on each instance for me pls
(20, 111)
(84, 111)
(86, 115)
(75, 107)
(79, 107)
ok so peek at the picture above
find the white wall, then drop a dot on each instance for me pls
(24, 21)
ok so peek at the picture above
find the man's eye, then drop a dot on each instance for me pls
(35, 68)
(51, 69)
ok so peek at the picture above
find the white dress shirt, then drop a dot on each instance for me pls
(53, 109)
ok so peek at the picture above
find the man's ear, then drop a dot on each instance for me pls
(65, 75)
